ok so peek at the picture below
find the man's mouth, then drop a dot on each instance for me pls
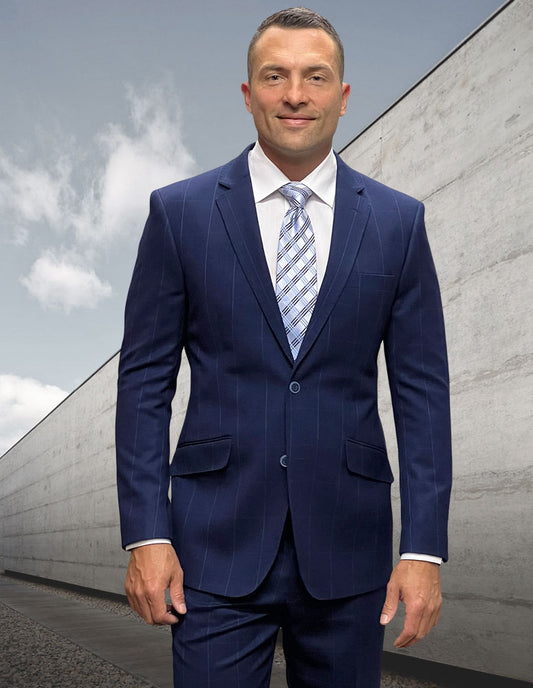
(295, 119)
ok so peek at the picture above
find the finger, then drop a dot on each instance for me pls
(433, 616)
(405, 641)
(391, 604)
(177, 596)
(136, 598)
(132, 601)
(407, 637)
(159, 612)
(410, 632)
(169, 618)
(141, 605)
(154, 611)
(430, 615)
(436, 617)
(174, 613)
(419, 620)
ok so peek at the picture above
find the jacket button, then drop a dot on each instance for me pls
(283, 460)
(294, 387)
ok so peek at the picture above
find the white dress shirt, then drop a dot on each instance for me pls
(271, 207)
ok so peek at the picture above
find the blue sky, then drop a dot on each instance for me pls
(108, 99)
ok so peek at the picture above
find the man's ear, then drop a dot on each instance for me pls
(245, 88)
(345, 94)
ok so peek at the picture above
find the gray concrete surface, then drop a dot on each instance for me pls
(141, 651)
(461, 140)
(58, 504)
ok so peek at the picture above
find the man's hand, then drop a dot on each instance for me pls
(417, 585)
(153, 569)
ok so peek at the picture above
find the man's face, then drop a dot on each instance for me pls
(295, 95)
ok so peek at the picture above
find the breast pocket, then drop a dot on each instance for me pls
(375, 283)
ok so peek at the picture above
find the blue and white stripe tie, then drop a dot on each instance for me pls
(296, 278)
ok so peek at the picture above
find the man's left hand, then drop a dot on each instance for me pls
(417, 585)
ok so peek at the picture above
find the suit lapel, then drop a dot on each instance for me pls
(349, 223)
(236, 204)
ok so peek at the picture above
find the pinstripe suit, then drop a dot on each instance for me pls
(263, 434)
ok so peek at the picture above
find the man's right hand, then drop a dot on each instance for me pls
(152, 570)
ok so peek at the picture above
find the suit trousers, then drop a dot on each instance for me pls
(224, 642)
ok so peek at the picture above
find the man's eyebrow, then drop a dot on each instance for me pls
(271, 67)
(318, 67)
(274, 67)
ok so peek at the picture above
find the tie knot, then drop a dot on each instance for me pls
(296, 193)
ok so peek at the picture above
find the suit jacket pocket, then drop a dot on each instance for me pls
(202, 456)
(375, 282)
(368, 461)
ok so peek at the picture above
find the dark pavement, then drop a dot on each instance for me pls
(97, 626)
(56, 637)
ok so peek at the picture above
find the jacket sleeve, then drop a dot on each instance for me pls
(148, 368)
(415, 351)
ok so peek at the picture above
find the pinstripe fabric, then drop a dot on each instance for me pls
(201, 283)
(266, 434)
(226, 642)
(296, 277)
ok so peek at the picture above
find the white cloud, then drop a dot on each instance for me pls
(110, 207)
(20, 235)
(23, 403)
(58, 283)
(34, 195)
(154, 155)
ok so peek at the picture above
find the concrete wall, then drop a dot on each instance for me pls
(460, 141)
(58, 503)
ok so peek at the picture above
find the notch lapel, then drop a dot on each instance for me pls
(236, 204)
(349, 222)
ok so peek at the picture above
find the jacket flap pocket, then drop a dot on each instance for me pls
(375, 282)
(201, 457)
(368, 461)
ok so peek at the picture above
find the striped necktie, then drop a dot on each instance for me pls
(296, 279)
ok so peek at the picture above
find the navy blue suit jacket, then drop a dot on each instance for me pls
(201, 283)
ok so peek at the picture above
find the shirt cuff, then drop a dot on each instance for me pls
(141, 543)
(422, 557)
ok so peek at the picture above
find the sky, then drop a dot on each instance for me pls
(104, 101)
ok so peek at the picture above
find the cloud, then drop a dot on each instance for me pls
(103, 207)
(152, 156)
(23, 403)
(34, 195)
(19, 235)
(57, 283)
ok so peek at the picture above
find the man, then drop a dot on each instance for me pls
(280, 512)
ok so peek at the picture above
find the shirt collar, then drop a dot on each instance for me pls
(267, 178)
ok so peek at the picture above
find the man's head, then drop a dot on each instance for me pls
(295, 90)
(297, 18)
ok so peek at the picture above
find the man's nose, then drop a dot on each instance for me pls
(295, 93)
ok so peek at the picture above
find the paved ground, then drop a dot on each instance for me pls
(56, 638)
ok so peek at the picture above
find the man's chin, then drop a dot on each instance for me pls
(296, 145)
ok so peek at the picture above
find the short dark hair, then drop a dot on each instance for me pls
(297, 18)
